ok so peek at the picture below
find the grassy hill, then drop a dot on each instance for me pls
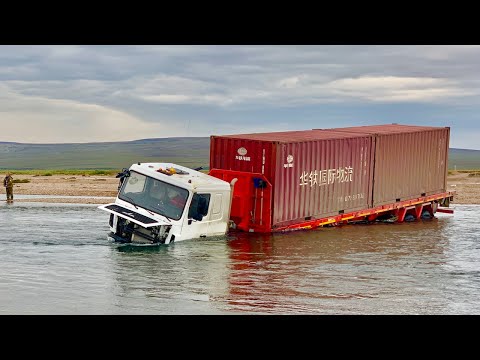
(191, 152)
(463, 159)
(187, 151)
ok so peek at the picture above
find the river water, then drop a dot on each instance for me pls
(56, 259)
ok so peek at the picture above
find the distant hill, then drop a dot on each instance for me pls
(187, 151)
(463, 159)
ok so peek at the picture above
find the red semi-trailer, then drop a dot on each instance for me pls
(281, 181)
(304, 179)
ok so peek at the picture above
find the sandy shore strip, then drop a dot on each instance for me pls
(65, 188)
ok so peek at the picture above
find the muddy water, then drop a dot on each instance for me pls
(56, 259)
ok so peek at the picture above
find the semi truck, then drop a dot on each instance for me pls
(284, 181)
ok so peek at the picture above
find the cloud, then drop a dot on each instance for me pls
(392, 88)
(289, 83)
(43, 120)
(165, 89)
(199, 90)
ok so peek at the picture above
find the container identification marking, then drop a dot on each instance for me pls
(351, 197)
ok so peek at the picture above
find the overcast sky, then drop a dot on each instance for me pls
(63, 94)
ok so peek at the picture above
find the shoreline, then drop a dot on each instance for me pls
(65, 189)
(102, 189)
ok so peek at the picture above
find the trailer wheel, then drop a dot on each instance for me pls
(426, 215)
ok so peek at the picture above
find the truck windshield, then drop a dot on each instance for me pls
(154, 195)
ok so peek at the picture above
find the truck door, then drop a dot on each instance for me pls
(198, 214)
(216, 213)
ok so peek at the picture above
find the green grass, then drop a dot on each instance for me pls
(21, 181)
(465, 171)
(470, 172)
(81, 172)
(78, 172)
(461, 159)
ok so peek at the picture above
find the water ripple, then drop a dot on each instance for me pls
(56, 259)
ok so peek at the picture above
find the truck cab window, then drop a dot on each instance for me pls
(154, 195)
(199, 207)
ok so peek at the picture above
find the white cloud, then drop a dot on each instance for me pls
(393, 88)
(385, 82)
(165, 89)
(289, 83)
(267, 89)
(167, 98)
(17, 71)
(42, 120)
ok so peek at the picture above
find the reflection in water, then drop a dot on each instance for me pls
(178, 278)
(337, 270)
(55, 259)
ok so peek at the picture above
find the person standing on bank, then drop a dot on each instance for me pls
(8, 183)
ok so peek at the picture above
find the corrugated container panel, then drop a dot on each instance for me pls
(242, 155)
(313, 174)
(257, 152)
(410, 161)
(326, 176)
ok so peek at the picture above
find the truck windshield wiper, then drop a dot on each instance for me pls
(150, 212)
(131, 201)
(153, 214)
(168, 218)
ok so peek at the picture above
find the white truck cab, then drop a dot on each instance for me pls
(158, 203)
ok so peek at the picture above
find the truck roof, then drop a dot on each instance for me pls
(181, 176)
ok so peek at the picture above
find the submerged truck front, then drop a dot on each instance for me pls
(159, 203)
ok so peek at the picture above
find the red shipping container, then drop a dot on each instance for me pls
(308, 174)
(410, 161)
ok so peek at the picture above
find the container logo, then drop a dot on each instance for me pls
(242, 151)
(289, 163)
(241, 154)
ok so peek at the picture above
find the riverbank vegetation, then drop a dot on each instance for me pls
(51, 172)
(112, 172)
